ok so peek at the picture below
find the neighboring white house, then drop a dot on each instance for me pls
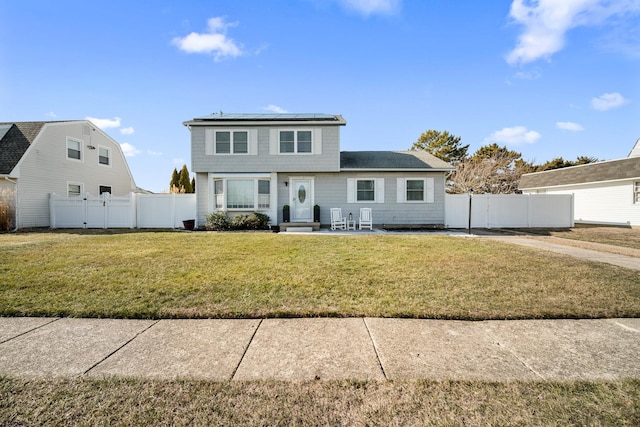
(604, 192)
(69, 158)
(261, 162)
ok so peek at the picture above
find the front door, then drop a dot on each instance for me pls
(301, 199)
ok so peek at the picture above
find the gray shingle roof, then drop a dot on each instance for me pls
(392, 160)
(15, 142)
(611, 170)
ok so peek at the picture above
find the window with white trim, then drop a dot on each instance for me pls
(74, 149)
(231, 142)
(296, 141)
(74, 189)
(105, 189)
(636, 192)
(415, 190)
(365, 190)
(242, 193)
(104, 156)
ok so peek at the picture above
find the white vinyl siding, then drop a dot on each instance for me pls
(365, 190)
(415, 190)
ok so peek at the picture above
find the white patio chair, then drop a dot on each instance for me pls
(366, 219)
(338, 222)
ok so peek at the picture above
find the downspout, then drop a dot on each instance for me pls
(15, 207)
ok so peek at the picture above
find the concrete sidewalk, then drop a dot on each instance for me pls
(321, 348)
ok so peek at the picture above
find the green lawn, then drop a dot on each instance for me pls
(231, 275)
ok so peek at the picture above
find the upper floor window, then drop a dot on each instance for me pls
(292, 141)
(74, 149)
(104, 156)
(232, 142)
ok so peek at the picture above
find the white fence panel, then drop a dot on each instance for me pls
(508, 211)
(106, 211)
(165, 210)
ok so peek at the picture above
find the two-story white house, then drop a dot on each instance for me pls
(262, 162)
(69, 158)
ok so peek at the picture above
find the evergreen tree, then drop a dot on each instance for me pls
(185, 180)
(442, 145)
(175, 181)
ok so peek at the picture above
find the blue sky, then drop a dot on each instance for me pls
(546, 78)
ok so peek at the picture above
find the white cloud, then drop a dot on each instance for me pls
(129, 150)
(570, 126)
(127, 131)
(52, 114)
(178, 161)
(275, 109)
(371, 7)
(514, 136)
(608, 101)
(154, 153)
(547, 21)
(105, 123)
(212, 41)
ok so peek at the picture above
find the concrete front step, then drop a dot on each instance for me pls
(299, 226)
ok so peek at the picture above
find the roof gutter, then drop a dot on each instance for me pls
(15, 204)
(396, 170)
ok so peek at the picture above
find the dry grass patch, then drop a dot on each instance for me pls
(616, 236)
(200, 275)
(183, 402)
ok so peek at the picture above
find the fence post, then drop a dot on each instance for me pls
(52, 210)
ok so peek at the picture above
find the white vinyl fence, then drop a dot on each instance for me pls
(131, 211)
(509, 210)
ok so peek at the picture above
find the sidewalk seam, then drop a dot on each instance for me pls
(514, 354)
(246, 349)
(30, 330)
(121, 347)
(375, 349)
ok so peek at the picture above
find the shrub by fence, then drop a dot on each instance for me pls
(7, 209)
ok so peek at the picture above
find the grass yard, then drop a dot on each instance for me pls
(268, 403)
(237, 275)
(616, 236)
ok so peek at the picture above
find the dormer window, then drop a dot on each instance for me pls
(296, 141)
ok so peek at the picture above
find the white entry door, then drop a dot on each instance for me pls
(301, 200)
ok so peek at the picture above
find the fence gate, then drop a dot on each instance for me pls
(103, 211)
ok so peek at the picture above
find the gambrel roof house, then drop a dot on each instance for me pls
(262, 162)
(69, 158)
(605, 192)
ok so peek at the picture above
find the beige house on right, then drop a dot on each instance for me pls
(604, 192)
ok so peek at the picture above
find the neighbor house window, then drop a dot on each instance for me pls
(292, 141)
(415, 190)
(366, 190)
(74, 149)
(232, 142)
(104, 156)
(105, 189)
(74, 189)
(242, 194)
(636, 192)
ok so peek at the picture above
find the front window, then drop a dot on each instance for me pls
(366, 190)
(415, 190)
(242, 193)
(104, 156)
(74, 149)
(296, 141)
